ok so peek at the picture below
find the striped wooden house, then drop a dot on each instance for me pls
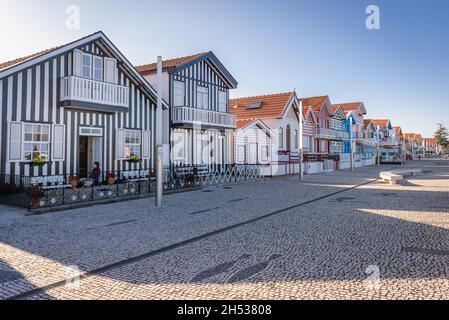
(197, 90)
(72, 106)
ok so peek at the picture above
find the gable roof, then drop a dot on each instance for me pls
(316, 103)
(382, 123)
(10, 67)
(367, 123)
(306, 111)
(272, 106)
(398, 130)
(412, 136)
(9, 64)
(353, 106)
(168, 64)
(183, 62)
(244, 123)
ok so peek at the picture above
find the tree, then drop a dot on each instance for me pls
(442, 136)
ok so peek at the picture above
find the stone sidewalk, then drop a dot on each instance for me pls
(319, 249)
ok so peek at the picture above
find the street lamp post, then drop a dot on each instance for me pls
(159, 161)
(301, 143)
(351, 140)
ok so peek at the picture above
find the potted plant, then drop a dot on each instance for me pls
(82, 183)
(73, 181)
(36, 194)
(38, 161)
(134, 158)
(110, 178)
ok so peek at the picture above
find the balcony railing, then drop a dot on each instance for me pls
(325, 133)
(187, 115)
(91, 91)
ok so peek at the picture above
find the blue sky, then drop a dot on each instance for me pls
(319, 47)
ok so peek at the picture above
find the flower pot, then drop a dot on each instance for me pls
(73, 181)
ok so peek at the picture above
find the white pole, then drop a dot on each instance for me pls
(351, 139)
(301, 145)
(159, 159)
(378, 146)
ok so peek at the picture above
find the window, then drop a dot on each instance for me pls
(36, 141)
(87, 66)
(296, 138)
(241, 151)
(132, 143)
(202, 97)
(98, 69)
(179, 93)
(264, 154)
(281, 137)
(222, 101)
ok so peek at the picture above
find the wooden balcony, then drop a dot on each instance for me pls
(76, 92)
(204, 118)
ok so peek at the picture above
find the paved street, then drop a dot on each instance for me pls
(342, 235)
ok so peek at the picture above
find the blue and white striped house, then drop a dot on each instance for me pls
(72, 106)
(197, 90)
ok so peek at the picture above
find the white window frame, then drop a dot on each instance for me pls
(48, 143)
(90, 131)
(241, 153)
(281, 138)
(222, 101)
(264, 153)
(83, 65)
(202, 97)
(94, 68)
(296, 137)
(179, 93)
(127, 144)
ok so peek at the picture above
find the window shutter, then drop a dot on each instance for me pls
(146, 144)
(77, 63)
(120, 143)
(15, 141)
(58, 142)
(110, 66)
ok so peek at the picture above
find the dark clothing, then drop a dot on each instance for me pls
(96, 175)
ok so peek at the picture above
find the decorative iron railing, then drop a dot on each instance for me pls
(61, 190)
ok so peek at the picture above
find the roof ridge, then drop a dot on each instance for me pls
(19, 60)
(263, 95)
(173, 59)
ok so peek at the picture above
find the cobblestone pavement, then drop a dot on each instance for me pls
(340, 235)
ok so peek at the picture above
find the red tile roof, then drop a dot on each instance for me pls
(9, 64)
(315, 102)
(244, 122)
(366, 123)
(398, 130)
(167, 64)
(412, 136)
(272, 106)
(382, 123)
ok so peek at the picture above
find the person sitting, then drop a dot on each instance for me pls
(95, 175)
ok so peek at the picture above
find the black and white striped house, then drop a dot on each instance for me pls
(72, 106)
(197, 89)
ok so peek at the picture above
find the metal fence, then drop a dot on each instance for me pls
(59, 190)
